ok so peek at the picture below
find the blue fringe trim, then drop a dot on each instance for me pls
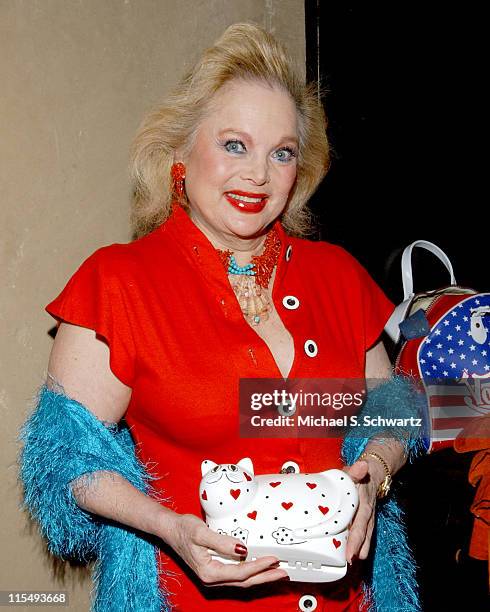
(391, 583)
(63, 441)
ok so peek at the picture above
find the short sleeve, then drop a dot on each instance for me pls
(95, 297)
(364, 294)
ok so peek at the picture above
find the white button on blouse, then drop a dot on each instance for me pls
(311, 348)
(290, 467)
(308, 603)
(290, 302)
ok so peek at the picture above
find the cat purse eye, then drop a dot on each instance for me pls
(302, 519)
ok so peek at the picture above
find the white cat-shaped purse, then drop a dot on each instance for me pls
(302, 519)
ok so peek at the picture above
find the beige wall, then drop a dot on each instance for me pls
(76, 79)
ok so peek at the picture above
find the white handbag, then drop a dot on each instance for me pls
(302, 519)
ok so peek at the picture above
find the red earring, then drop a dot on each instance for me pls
(178, 175)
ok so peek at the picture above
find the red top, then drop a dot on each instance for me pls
(177, 336)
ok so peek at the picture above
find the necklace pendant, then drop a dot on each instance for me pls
(249, 281)
(253, 301)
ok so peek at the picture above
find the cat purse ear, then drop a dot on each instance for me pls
(207, 465)
(246, 464)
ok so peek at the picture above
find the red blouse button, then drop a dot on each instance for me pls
(252, 356)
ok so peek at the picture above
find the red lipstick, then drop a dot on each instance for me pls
(245, 201)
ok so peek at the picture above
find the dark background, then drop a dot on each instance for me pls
(403, 93)
(404, 102)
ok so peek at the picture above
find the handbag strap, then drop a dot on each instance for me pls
(400, 312)
(407, 277)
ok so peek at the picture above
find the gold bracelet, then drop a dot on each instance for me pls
(384, 487)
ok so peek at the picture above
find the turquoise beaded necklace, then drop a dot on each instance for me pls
(250, 293)
(234, 268)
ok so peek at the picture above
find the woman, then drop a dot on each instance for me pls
(159, 331)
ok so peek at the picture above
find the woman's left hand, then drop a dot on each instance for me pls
(368, 476)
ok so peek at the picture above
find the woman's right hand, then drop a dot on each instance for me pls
(191, 538)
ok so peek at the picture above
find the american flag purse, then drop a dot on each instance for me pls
(443, 339)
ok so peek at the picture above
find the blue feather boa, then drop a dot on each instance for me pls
(391, 583)
(62, 441)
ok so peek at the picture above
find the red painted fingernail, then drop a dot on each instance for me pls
(240, 549)
(285, 578)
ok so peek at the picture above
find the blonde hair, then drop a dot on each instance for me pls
(244, 51)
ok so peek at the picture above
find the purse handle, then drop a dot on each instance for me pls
(400, 312)
(407, 277)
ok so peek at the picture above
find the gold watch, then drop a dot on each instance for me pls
(384, 487)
